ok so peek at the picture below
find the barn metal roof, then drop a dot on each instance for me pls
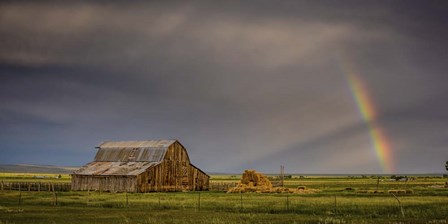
(132, 151)
(137, 144)
(130, 154)
(114, 168)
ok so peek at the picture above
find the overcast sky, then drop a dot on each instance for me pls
(241, 84)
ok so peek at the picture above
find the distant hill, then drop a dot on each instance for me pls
(27, 168)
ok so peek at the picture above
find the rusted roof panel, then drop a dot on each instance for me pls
(130, 154)
(114, 168)
(151, 154)
(112, 155)
(137, 144)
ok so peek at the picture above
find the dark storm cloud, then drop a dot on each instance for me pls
(248, 84)
(430, 134)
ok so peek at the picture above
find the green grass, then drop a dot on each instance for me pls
(34, 177)
(217, 207)
(334, 204)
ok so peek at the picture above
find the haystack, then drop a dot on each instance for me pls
(252, 178)
(252, 181)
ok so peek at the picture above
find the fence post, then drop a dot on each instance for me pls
(20, 196)
(159, 199)
(2, 185)
(335, 205)
(199, 201)
(127, 200)
(241, 201)
(287, 202)
(88, 197)
(55, 197)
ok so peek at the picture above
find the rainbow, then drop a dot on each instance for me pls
(367, 110)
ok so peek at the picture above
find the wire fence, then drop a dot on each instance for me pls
(34, 186)
(59, 194)
(221, 186)
(201, 201)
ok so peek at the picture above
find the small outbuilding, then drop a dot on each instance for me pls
(140, 166)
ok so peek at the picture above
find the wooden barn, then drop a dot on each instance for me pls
(140, 166)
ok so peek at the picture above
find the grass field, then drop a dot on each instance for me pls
(34, 177)
(341, 200)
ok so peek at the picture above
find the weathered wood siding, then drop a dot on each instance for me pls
(175, 173)
(104, 183)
